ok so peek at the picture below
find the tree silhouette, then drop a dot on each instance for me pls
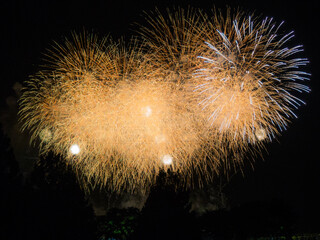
(252, 219)
(47, 205)
(166, 213)
(58, 207)
(11, 191)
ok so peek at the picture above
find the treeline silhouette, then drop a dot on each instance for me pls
(49, 204)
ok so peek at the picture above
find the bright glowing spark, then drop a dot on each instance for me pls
(147, 111)
(160, 139)
(74, 149)
(167, 159)
(261, 134)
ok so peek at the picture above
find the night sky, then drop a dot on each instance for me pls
(290, 169)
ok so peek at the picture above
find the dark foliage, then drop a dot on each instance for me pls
(166, 213)
(11, 190)
(253, 219)
(49, 205)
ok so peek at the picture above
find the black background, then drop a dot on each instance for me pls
(289, 172)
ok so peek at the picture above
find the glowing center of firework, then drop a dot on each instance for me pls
(160, 138)
(261, 134)
(147, 111)
(74, 149)
(167, 159)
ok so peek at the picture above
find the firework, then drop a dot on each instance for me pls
(249, 78)
(196, 95)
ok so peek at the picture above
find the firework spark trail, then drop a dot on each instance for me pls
(172, 41)
(196, 95)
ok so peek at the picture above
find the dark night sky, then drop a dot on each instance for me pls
(290, 171)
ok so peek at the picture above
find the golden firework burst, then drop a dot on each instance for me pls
(194, 95)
